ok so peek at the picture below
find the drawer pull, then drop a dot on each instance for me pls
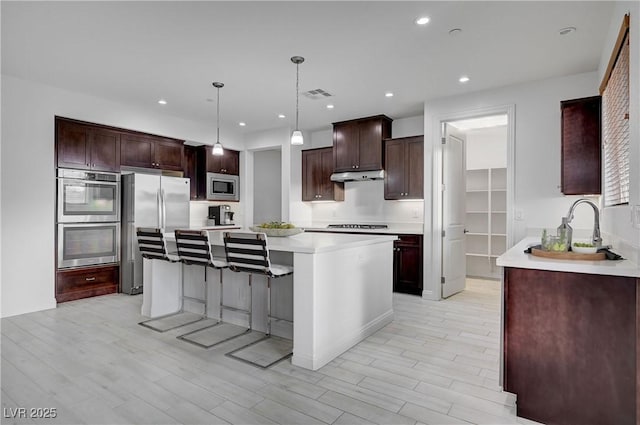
(90, 279)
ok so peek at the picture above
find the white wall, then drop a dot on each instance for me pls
(537, 156)
(364, 201)
(293, 209)
(617, 221)
(486, 148)
(28, 177)
(267, 185)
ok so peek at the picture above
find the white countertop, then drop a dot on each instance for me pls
(393, 229)
(515, 257)
(309, 243)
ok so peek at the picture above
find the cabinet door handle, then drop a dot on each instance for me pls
(357, 166)
(90, 279)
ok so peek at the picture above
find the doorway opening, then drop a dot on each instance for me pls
(484, 196)
(267, 186)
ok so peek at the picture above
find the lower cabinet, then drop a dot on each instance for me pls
(571, 346)
(86, 282)
(407, 264)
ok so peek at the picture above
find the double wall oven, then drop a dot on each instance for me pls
(88, 218)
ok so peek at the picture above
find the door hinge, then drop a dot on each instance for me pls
(442, 279)
(444, 233)
(444, 140)
(443, 187)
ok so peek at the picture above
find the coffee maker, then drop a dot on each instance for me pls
(220, 215)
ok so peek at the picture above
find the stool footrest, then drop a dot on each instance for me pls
(236, 309)
(149, 323)
(194, 299)
(188, 336)
(233, 355)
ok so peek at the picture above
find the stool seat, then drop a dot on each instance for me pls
(219, 263)
(278, 270)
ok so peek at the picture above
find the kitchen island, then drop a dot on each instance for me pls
(340, 291)
(570, 338)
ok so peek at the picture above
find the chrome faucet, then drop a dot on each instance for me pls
(597, 240)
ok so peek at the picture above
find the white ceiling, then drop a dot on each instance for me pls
(139, 52)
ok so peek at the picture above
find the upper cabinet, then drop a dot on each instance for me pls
(147, 151)
(581, 147)
(227, 163)
(86, 147)
(97, 147)
(357, 144)
(404, 168)
(317, 167)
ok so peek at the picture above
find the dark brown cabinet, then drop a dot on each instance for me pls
(407, 264)
(86, 147)
(317, 167)
(404, 168)
(227, 163)
(190, 170)
(199, 160)
(357, 144)
(147, 151)
(581, 146)
(571, 346)
(75, 284)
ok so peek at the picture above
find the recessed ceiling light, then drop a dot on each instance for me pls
(329, 106)
(388, 94)
(242, 124)
(567, 30)
(281, 116)
(423, 20)
(463, 79)
(162, 102)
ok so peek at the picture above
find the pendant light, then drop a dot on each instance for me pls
(217, 148)
(296, 136)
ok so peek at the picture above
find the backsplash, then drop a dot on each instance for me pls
(364, 203)
(199, 210)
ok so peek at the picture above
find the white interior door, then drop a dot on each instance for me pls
(453, 212)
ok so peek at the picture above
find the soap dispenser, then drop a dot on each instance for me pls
(565, 232)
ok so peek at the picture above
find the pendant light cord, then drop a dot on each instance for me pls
(218, 118)
(297, 91)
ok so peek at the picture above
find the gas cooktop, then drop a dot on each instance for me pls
(357, 226)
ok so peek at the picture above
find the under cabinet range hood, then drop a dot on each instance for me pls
(356, 176)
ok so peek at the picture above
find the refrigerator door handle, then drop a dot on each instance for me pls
(164, 209)
(159, 208)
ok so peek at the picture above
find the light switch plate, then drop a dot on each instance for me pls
(519, 214)
(635, 216)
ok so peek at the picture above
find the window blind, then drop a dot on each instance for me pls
(615, 124)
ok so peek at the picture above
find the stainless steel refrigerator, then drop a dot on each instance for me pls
(148, 200)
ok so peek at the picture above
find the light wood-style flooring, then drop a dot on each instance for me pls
(437, 363)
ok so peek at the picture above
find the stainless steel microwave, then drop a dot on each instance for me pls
(223, 187)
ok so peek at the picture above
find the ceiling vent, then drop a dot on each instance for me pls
(317, 94)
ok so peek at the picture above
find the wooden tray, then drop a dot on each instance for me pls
(568, 255)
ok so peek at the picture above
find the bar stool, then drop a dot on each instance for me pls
(152, 245)
(249, 253)
(194, 248)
